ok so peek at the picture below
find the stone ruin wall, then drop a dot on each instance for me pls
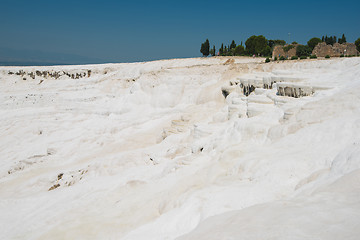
(321, 50)
(279, 51)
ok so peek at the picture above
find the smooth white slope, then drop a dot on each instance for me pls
(151, 150)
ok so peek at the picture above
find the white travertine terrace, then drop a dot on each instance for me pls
(181, 149)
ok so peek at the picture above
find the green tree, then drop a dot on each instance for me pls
(266, 52)
(357, 44)
(205, 48)
(250, 45)
(342, 39)
(261, 44)
(232, 45)
(213, 51)
(239, 50)
(302, 50)
(256, 45)
(313, 42)
(221, 50)
(329, 40)
(273, 43)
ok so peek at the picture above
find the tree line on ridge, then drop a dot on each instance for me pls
(260, 46)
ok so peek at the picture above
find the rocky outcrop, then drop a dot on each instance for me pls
(322, 49)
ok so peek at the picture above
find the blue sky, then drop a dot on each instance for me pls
(127, 31)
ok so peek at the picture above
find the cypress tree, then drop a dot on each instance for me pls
(343, 39)
(205, 48)
(213, 51)
(233, 44)
(221, 50)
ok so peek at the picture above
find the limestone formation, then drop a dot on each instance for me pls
(294, 90)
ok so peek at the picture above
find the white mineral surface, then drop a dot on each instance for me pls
(155, 151)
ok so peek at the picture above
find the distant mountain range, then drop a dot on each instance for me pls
(22, 57)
